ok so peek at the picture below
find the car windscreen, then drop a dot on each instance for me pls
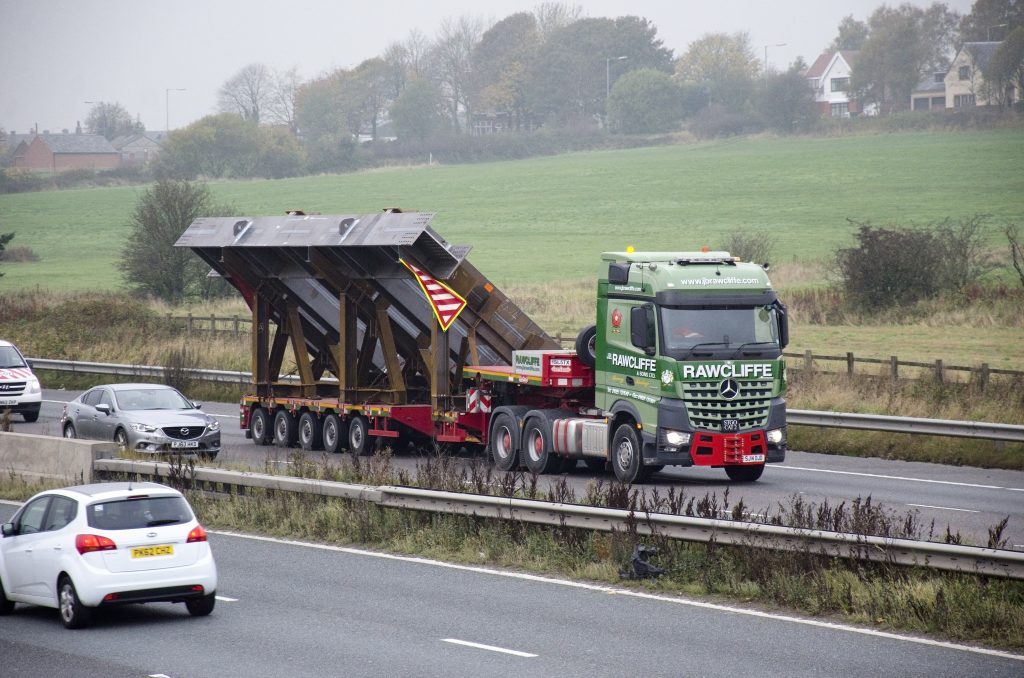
(10, 358)
(138, 512)
(151, 399)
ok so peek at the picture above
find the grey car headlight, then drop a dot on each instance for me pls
(143, 428)
(213, 425)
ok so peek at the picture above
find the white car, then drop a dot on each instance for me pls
(106, 544)
(19, 388)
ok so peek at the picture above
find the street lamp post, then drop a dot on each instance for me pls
(167, 106)
(781, 44)
(608, 80)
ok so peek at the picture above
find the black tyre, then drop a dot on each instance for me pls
(73, 614)
(311, 432)
(744, 474)
(6, 606)
(586, 345)
(200, 607)
(504, 450)
(286, 429)
(596, 464)
(359, 442)
(537, 453)
(627, 459)
(333, 433)
(30, 415)
(259, 427)
(121, 439)
(69, 430)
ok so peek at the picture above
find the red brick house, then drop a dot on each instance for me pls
(59, 152)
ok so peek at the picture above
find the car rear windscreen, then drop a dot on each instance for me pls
(138, 512)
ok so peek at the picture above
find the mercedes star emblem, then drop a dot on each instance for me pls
(729, 389)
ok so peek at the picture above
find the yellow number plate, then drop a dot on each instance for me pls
(147, 551)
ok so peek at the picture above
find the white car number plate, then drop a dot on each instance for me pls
(177, 444)
(8, 401)
(752, 458)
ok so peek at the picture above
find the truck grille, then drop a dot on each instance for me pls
(184, 432)
(707, 408)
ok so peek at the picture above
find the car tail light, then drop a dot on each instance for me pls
(87, 543)
(197, 534)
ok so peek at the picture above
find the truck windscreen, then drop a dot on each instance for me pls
(729, 332)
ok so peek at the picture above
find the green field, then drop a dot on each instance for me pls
(547, 219)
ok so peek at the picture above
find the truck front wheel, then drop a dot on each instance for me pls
(626, 455)
(744, 474)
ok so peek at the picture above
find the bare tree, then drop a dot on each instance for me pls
(452, 56)
(248, 92)
(1016, 250)
(554, 15)
(281, 104)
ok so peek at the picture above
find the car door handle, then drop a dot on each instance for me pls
(58, 548)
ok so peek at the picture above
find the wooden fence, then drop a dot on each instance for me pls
(891, 367)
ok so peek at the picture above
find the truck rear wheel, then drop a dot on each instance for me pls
(259, 426)
(503, 442)
(626, 455)
(537, 454)
(285, 429)
(310, 432)
(744, 474)
(334, 433)
(359, 442)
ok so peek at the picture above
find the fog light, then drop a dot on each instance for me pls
(774, 436)
(677, 438)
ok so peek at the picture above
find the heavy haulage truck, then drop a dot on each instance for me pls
(396, 339)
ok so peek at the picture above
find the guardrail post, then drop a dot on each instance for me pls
(808, 361)
(894, 367)
(849, 364)
(983, 376)
(938, 372)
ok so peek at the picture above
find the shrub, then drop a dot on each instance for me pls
(755, 246)
(722, 121)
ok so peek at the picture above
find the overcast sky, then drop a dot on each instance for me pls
(56, 55)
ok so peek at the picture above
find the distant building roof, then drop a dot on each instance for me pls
(933, 83)
(76, 143)
(824, 60)
(981, 52)
(157, 138)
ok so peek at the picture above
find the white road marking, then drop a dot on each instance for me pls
(916, 480)
(158, 675)
(635, 594)
(944, 508)
(226, 599)
(492, 648)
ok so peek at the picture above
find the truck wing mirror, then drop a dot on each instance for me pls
(780, 311)
(618, 273)
(641, 328)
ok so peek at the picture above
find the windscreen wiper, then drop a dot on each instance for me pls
(752, 343)
(693, 349)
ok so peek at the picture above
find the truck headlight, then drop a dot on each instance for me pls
(143, 428)
(774, 436)
(677, 438)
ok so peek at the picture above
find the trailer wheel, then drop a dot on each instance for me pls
(285, 429)
(333, 433)
(503, 442)
(537, 454)
(626, 455)
(311, 435)
(744, 474)
(259, 426)
(359, 443)
(586, 345)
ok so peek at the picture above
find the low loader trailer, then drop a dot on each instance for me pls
(396, 339)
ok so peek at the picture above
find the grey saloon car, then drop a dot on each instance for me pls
(147, 418)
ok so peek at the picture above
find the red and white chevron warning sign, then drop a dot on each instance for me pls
(445, 301)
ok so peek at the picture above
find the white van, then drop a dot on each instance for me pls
(19, 389)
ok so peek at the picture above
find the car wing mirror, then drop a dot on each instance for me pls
(104, 408)
(8, 529)
(196, 404)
